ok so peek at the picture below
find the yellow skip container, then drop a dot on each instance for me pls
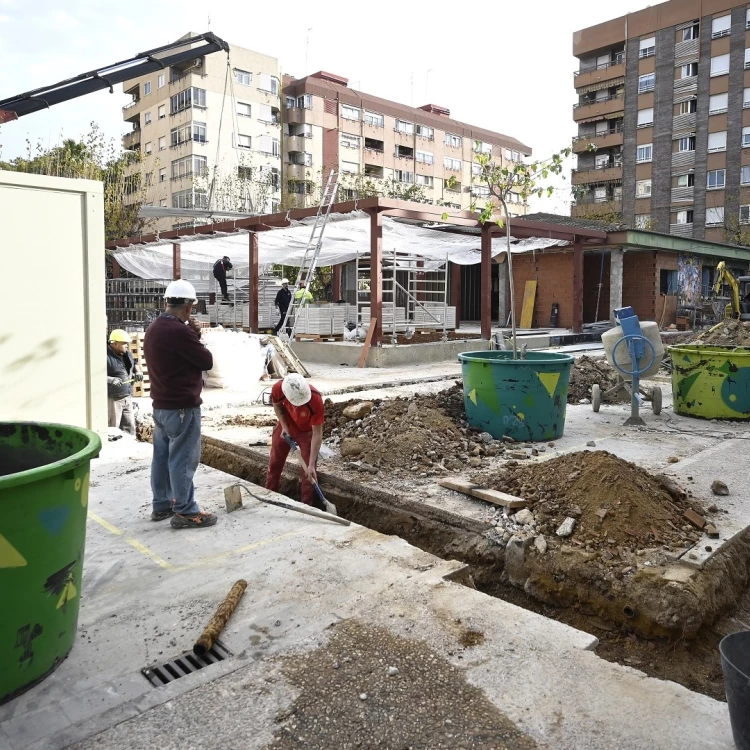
(711, 382)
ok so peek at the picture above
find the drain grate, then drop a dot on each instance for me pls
(187, 663)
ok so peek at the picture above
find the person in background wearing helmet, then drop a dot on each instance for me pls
(283, 298)
(121, 372)
(220, 274)
(300, 411)
(176, 362)
(302, 296)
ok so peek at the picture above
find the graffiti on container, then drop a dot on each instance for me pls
(701, 378)
(62, 584)
(25, 640)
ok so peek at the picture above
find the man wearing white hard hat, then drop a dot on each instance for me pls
(282, 301)
(300, 411)
(176, 361)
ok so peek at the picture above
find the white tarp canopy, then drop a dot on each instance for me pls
(346, 236)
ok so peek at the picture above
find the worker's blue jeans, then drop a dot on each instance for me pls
(177, 451)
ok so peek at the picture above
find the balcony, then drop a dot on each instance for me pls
(298, 115)
(681, 230)
(684, 122)
(606, 139)
(125, 110)
(600, 73)
(374, 156)
(297, 171)
(295, 143)
(132, 140)
(611, 105)
(688, 49)
(683, 194)
(683, 160)
(597, 174)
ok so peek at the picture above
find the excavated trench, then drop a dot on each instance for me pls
(659, 620)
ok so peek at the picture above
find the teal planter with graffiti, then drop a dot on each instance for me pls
(711, 382)
(524, 399)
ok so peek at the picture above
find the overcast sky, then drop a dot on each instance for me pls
(508, 68)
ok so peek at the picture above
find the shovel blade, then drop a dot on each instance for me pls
(233, 498)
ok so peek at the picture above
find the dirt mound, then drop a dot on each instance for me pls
(614, 503)
(585, 373)
(727, 333)
(249, 420)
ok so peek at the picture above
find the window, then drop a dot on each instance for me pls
(244, 141)
(689, 71)
(689, 107)
(476, 169)
(516, 156)
(350, 167)
(686, 144)
(188, 98)
(244, 173)
(304, 101)
(690, 33)
(686, 180)
(188, 166)
(146, 118)
(243, 76)
(745, 214)
(199, 132)
(647, 47)
(424, 131)
(745, 137)
(190, 198)
(401, 176)
(148, 148)
(644, 152)
(746, 98)
(269, 84)
(643, 188)
(404, 126)
(668, 281)
(716, 179)
(147, 88)
(744, 175)
(244, 110)
(454, 141)
(452, 164)
(291, 102)
(721, 26)
(163, 143)
(717, 141)
(161, 80)
(425, 157)
(482, 191)
(646, 82)
(425, 179)
(718, 103)
(685, 217)
(747, 59)
(714, 216)
(373, 144)
(349, 141)
(268, 114)
(374, 119)
(747, 18)
(480, 147)
(163, 174)
(720, 65)
(645, 117)
(642, 221)
(349, 113)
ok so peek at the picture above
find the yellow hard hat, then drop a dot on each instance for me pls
(119, 335)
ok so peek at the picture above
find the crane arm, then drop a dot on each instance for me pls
(724, 276)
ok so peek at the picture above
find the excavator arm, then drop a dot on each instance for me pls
(724, 276)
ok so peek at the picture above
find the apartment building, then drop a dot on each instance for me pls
(390, 146)
(204, 121)
(664, 96)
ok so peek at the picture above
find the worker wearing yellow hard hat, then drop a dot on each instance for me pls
(121, 372)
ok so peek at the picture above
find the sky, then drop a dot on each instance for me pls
(508, 68)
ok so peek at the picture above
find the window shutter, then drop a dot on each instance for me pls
(265, 113)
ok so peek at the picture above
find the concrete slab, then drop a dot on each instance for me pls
(148, 590)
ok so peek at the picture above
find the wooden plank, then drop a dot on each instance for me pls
(527, 308)
(368, 342)
(459, 485)
(292, 361)
(481, 493)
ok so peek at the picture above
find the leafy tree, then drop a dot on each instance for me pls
(735, 232)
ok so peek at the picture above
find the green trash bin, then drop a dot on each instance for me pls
(524, 399)
(44, 484)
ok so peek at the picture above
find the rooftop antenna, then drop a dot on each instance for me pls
(307, 49)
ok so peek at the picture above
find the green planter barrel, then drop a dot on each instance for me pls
(524, 399)
(44, 484)
(711, 382)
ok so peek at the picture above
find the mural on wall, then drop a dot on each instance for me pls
(689, 280)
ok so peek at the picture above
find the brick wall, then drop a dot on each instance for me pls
(592, 272)
(640, 283)
(554, 275)
(330, 151)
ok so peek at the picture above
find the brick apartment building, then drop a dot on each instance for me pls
(664, 95)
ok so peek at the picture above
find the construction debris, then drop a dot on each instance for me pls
(727, 333)
(587, 372)
(719, 488)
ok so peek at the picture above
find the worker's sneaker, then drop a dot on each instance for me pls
(193, 520)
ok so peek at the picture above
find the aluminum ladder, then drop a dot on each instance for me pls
(312, 251)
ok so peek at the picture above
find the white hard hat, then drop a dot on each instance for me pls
(285, 281)
(180, 289)
(296, 389)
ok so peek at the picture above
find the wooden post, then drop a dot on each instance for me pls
(577, 285)
(456, 292)
(176, 261)
(336, 284)
(376, 275)
(115, 269)
(252, 286)
(486, 281)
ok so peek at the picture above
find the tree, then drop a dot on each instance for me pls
(93, 157)
(519, 179)
(735, 232)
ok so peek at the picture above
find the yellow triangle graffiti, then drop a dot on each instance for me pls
(549, 381)
(473, 396)
(69, 592)
(10, 557)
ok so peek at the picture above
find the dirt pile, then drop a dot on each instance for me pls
(251, 420)
(585, 373)
(615, 505)
(727, 333)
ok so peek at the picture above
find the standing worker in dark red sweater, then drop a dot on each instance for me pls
(176, 360)
(299, 408)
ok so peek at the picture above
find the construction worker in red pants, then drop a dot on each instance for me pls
(300, 411)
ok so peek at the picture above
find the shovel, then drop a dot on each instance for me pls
(329, 506)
